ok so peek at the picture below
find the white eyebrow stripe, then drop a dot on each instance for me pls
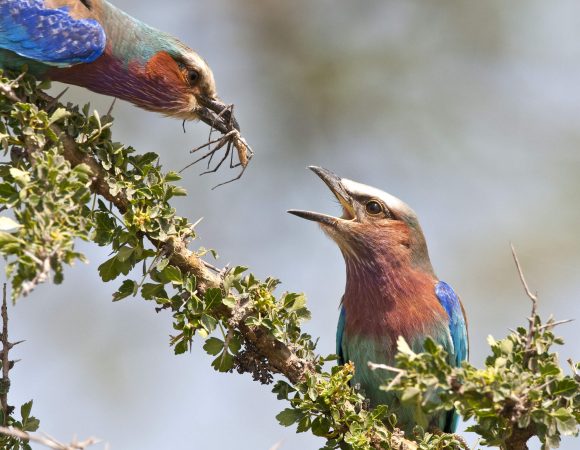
(393, 203)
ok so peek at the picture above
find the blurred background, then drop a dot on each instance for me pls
(469, 112)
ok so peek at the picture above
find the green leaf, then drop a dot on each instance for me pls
(320, 426)
(234, 345)
(289, 416)
(112, 268)
(213, 346)
(125, 253)
(7, 238)
(172, 176)
(7, 224)
(565, 387)
(151, 290)
(229, 301)
(25, 410)
(58, 115)
(223, 363)
(31, 424)
(128, 287)
(171, 274)
(20, 176)
(208, 322)
(213, 296)
(181, 347)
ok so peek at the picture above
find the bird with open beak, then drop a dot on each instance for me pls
(391, 291)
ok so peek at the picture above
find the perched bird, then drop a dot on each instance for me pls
(93, 44)
(391, 290)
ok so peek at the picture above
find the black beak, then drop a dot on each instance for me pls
(216, 114)
(335, 185)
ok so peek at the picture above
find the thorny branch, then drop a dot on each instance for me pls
(281, 359)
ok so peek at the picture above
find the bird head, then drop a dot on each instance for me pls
(186, 82)
(375, 227)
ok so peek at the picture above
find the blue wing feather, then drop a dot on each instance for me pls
(51, 36)
(457, 325)
(458, 331)
(339, 333)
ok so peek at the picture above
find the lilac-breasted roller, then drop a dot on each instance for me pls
(391, 290)
(93, 44)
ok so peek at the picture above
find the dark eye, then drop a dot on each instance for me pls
(192, 76)
(373, 207)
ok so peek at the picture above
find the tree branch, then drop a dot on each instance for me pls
(281, 359)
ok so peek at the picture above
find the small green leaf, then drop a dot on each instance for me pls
(208, 322)
(234, 344)
(213, 346)
(7, 224)
(171, 274)
(59, 114)
(213, 296)
(289, 416)
(128, 287)
(125, 253)
(172, 176)
(320, 426)
(229, 301)
(150, 290)
(25, 410)
(223, 363)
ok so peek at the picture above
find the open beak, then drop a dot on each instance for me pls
(334, 183)
(216, 114)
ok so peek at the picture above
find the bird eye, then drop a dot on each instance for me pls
(193, 76)
(373, 207)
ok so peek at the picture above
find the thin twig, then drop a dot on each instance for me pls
(533, 298)
(49, 441)
(554, 323)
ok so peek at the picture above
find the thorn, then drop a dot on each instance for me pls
(12, 344)
(111, 107)
(197, 222)
(55, 100)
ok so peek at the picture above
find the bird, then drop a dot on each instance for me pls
(93, 44)
(391, 291)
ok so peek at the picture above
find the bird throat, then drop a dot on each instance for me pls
(384, 296)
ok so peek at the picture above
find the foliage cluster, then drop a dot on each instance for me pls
(522, 391)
